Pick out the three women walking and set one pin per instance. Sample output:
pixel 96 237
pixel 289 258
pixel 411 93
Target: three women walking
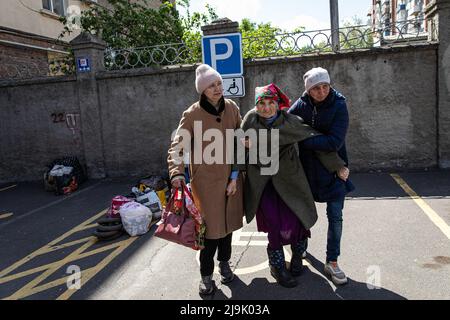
pixel 281 201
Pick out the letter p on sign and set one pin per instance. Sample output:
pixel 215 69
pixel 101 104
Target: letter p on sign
pixel 223 56
pixel 224 53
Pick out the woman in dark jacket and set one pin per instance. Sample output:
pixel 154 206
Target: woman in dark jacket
pixel 325 109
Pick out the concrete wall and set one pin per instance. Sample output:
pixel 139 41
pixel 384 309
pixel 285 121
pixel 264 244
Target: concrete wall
pixel 139 114
pixel 444 82
pixel 32 129
pixel 391 98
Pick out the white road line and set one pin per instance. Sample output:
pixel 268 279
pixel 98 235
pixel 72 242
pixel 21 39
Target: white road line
pixel 3 189
pixel 22 216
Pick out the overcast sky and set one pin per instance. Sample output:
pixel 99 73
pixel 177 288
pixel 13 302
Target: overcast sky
pixel 287 14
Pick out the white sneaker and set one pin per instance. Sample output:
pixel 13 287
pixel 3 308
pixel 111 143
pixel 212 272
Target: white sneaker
pixel 338 276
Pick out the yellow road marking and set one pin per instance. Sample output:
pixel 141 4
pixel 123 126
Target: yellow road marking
pixel 93 271
pixel 27 290
pixel 432 215
pixel 6 215
pixel 52 284
pixel 68 244
pixel 43 267
pixel 3 189
pixel 44 249
pixel 88 221
pixel 89 226
pixel 101 249
pixel 23 274
pixel 35 285
pixel 75 258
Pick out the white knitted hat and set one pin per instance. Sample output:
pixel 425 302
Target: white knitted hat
pixel 314 77
pixel 204 77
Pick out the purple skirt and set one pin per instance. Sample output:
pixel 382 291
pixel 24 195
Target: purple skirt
pixel 278 220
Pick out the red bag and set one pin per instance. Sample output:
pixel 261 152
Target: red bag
pixel 181 221
pixel 116 203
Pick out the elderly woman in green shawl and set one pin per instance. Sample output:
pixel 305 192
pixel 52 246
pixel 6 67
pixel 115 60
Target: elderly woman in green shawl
pixel 282 201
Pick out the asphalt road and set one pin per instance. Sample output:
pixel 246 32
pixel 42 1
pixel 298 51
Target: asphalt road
pixel 396 245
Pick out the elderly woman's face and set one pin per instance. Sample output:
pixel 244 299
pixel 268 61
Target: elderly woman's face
pixel 214 92
pixel 267 108
pixel 320 92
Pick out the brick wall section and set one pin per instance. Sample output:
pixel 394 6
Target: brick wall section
pixel 22 62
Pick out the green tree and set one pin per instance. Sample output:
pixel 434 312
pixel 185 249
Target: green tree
pixel 259 40
pixel 265 40
pixel 128 24
pixel 354 35
pixel 192 34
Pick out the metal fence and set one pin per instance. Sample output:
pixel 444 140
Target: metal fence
pixel 276 45
pixel 320 41
pixel 160 55
pixel 283 44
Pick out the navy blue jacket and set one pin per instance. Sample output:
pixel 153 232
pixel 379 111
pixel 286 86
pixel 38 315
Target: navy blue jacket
pixel 330 118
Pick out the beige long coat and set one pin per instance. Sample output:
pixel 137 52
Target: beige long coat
pixel 222 214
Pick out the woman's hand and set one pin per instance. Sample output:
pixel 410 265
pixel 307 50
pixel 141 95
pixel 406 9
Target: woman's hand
pixel 231 188
pixel 343 173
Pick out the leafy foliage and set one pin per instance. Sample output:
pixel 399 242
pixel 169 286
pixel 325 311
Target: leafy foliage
pixel 127 24
pixel 191 24
pixel 355 36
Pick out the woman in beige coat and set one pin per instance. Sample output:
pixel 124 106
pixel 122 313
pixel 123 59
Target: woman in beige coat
pixel 216 188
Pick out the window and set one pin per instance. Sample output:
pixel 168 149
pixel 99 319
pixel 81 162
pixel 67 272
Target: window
pixel 56 6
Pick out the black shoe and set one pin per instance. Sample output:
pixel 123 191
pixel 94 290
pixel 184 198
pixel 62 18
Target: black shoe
pixel 278 269
pixel 226 275
pixel 296 266
pixel 206 286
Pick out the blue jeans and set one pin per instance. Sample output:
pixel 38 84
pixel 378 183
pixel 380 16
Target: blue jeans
pixel 334 214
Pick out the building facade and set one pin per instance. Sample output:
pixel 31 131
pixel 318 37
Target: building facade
pixel 30 30
pixel 398 16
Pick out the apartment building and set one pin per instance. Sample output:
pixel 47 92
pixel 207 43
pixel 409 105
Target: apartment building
pixel 392 15
pixel 30 29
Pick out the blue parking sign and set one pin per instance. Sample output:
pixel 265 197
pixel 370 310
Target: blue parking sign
pixel 223 52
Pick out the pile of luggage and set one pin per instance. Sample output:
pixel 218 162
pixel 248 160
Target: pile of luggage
pixel 135 212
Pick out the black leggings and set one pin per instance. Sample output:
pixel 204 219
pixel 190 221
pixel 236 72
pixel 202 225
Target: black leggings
pixel 223 247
